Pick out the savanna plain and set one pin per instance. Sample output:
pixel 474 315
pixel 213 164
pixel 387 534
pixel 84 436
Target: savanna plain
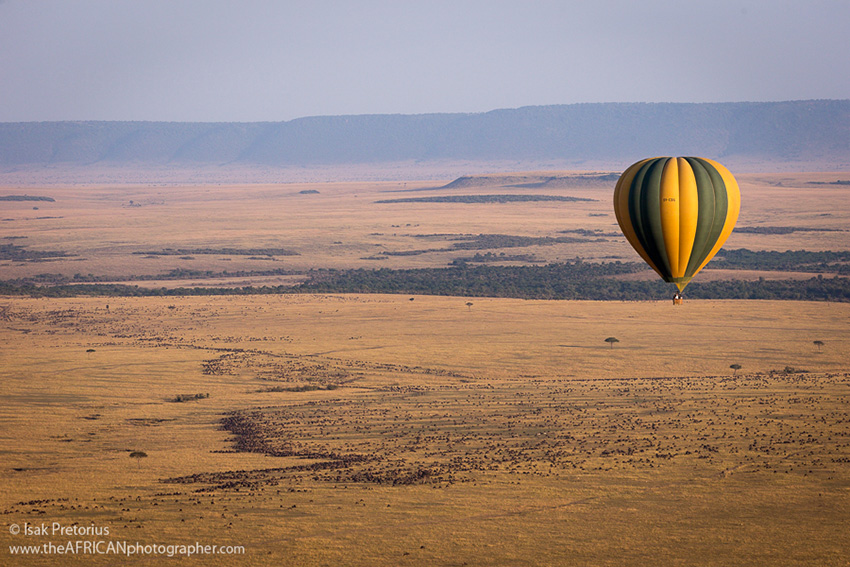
pixel 398 429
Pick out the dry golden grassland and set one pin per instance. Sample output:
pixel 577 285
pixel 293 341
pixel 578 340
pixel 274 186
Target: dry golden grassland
pixel 374 430
pixel 340 225
pixel 506 432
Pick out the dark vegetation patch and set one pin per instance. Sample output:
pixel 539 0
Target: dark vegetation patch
pixel 553 281
pixel 550 281
pixel 188 397
pixel 26 198
pixel 446 236
pixel 492 258
pixel 309 192
pixel 483 199
pixel 413 252
pixel 21 254
pixel 221 251
pixel 837 182
pixel 174 274
pixel 490 242
pixel 780 229
pixel 597 233
pixel 788 261
pixel 568 280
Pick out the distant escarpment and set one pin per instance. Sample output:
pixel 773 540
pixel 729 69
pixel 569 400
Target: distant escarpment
pixel 792 131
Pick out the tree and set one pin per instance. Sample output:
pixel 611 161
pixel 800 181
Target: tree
pixel 612 340
pixel 138 455
pixel 818 344
pixel 735 368
pixel 469 305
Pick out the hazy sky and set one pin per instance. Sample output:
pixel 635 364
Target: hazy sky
pixel 259 60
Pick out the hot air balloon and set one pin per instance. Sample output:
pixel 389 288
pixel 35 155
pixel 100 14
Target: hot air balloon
pixel 677 213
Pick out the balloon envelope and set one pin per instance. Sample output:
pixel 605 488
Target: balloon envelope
pixel 677 213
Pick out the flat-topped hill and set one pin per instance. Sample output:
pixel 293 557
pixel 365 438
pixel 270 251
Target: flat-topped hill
pixel 817 130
